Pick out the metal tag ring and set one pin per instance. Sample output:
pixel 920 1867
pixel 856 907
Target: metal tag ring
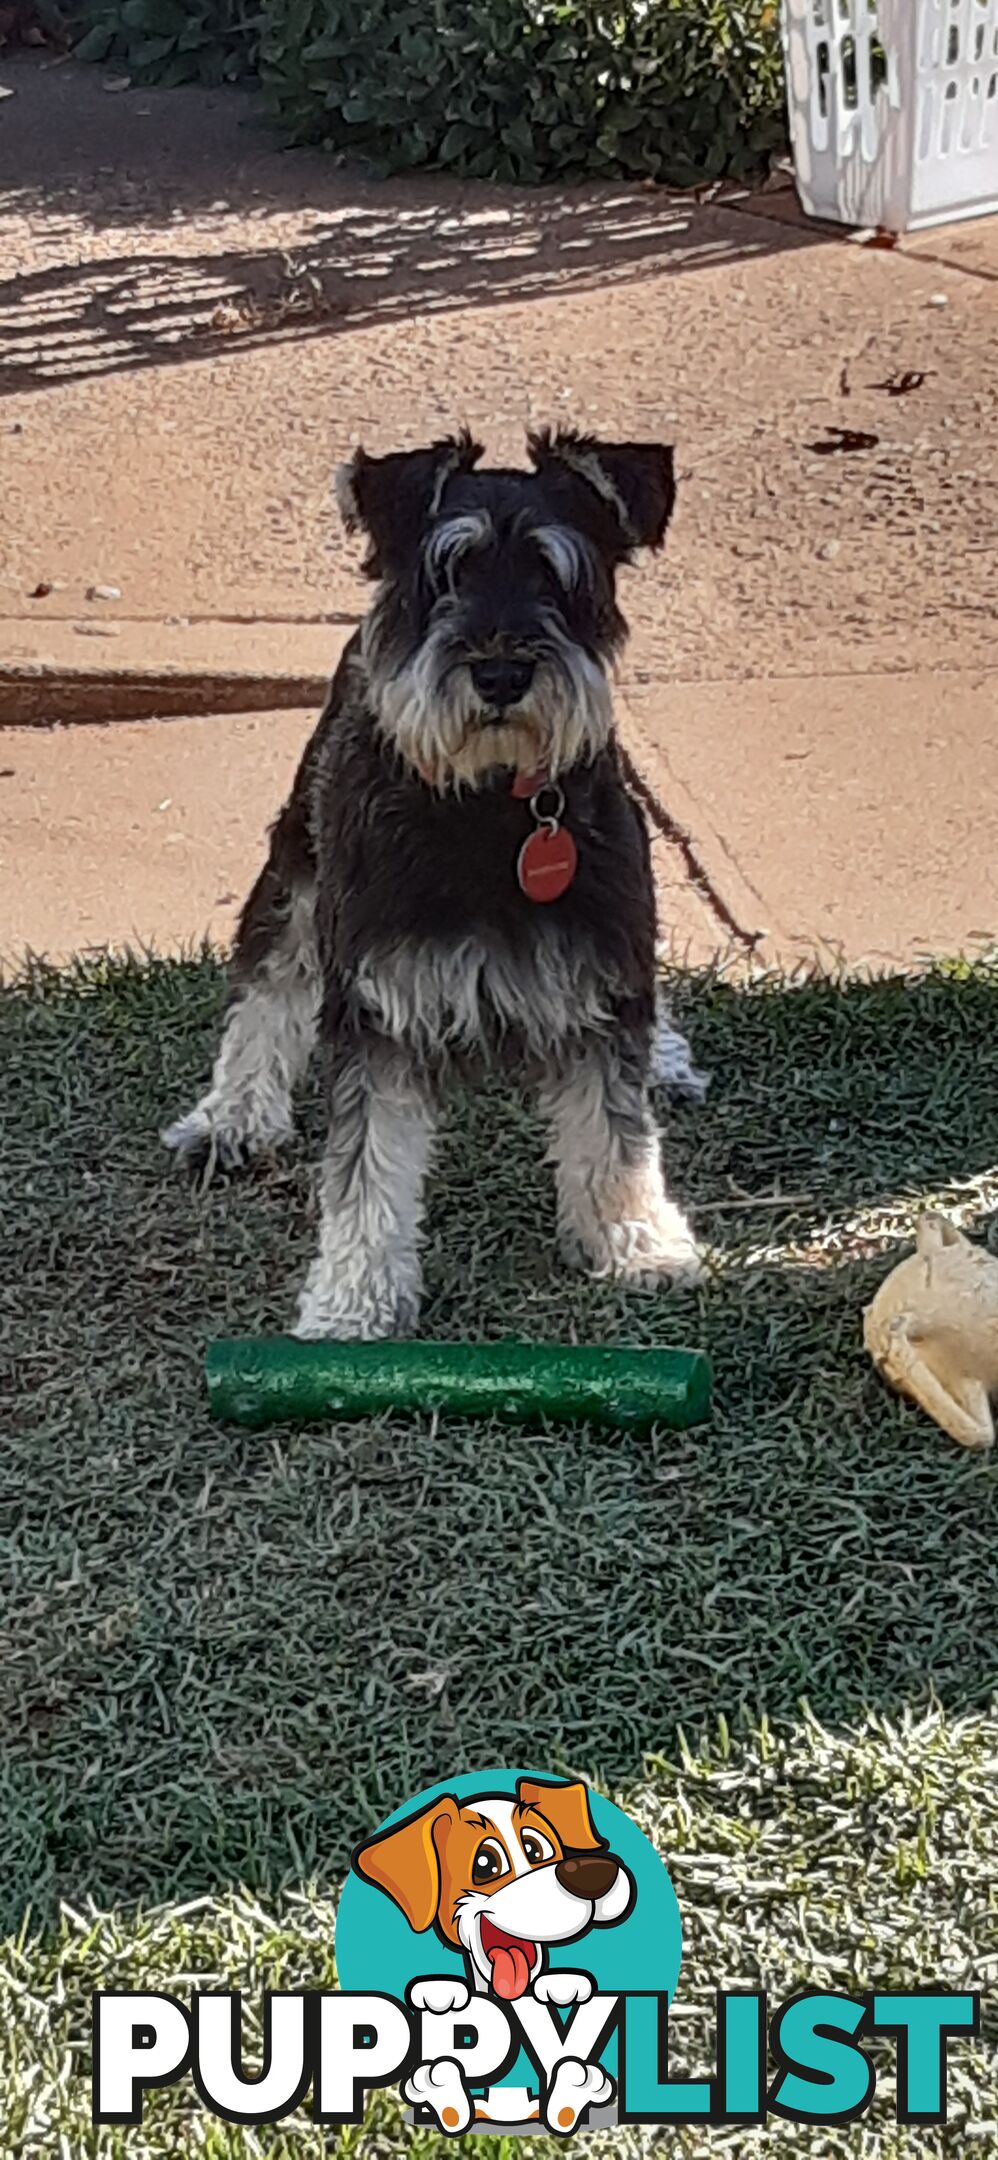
pixel 551 818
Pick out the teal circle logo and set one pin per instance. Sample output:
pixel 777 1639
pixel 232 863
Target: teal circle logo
pixel 515 1883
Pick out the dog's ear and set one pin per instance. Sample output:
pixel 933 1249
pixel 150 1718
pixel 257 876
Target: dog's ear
pixel 566 1808
pixel 393 498
pixel 636 481
pixel 404 1862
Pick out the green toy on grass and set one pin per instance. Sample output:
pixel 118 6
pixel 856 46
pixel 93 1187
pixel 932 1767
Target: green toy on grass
pixel 280 1380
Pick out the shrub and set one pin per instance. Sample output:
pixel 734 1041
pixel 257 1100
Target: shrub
pixel 171 41
pixel 532 89
pixel 678 90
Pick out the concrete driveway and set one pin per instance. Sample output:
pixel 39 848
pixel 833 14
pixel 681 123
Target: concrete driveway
pixel 195 325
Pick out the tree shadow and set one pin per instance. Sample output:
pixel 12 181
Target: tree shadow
pixel 203 239
pixel 226 1656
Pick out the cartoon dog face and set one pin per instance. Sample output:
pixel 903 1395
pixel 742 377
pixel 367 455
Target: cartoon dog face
pixel 501 1878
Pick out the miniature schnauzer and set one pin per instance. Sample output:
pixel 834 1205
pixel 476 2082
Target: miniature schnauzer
pixel 461 875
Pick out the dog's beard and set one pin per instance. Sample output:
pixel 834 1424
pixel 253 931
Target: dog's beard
pixel 433 714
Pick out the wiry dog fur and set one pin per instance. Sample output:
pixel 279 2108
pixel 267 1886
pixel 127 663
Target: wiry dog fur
pixel 389 917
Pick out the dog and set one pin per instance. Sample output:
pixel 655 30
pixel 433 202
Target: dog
pixel 461 876
pixel 502 1879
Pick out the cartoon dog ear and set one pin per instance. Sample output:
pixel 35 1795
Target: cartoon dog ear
pixel 393 498
pixel 404 1862
pixel 636 481
pixel 566 1808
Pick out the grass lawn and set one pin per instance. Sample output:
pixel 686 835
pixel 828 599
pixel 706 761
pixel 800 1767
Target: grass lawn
pixel 223 1657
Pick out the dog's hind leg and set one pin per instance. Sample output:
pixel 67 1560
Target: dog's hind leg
pixel 615 1217
pixel 366 1280
pixel 671 1065
pixel 271 1023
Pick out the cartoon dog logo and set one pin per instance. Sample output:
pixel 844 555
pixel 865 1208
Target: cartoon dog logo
pixel 502 1879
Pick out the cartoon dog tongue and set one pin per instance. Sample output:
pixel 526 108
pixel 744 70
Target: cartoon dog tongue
pixel 510 1969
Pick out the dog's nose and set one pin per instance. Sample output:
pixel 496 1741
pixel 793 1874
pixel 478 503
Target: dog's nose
pixel 502 682
pixel 588 1875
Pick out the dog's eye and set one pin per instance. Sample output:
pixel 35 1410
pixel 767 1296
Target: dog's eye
pixel 536 1848
pixel 489 1861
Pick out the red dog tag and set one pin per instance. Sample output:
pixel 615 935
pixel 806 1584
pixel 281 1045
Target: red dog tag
pixel 547 864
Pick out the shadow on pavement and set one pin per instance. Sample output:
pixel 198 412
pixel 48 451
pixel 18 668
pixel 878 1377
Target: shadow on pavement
pixel 223 241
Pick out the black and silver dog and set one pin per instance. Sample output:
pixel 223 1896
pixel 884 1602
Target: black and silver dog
pixel 461 874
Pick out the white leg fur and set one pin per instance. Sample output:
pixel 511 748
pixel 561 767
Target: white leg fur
pixel 440 2087
pixel 366 1281
pixel 266 1044
pixel 575 2087
pixel 563 1988
pixel 614 1214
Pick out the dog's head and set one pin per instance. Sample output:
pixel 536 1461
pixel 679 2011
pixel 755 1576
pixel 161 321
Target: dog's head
pixel 496 621
pixel 501 1878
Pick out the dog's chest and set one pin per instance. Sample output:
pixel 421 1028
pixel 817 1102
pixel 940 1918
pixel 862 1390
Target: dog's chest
pixel 427 923
pixel 470 995
pixel 404 865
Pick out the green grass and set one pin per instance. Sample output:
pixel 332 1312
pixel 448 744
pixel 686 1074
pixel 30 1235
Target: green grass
pixel 223 1657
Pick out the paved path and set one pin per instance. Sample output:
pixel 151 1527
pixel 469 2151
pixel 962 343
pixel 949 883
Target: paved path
pixel 195 326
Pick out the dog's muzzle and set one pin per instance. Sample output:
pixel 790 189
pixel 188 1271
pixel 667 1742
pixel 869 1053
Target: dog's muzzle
pixel 502 683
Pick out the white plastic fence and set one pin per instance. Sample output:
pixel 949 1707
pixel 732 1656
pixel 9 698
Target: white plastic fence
pixel 893 109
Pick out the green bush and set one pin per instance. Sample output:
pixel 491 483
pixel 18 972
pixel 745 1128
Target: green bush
pixel 531 89
pixel 171 41
pixel 678 90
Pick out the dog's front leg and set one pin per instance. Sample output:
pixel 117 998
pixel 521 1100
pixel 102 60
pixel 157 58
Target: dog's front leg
pixel 439 2084
pixel 366 1281
pixel 615 1216
pixel 575 2087
pixel 273 1010
pixel 440 2087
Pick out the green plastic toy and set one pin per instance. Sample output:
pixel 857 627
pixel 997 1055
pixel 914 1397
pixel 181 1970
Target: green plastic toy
pixel 280 1380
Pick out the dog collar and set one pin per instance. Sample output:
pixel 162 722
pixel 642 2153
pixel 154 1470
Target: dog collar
pixel 548 860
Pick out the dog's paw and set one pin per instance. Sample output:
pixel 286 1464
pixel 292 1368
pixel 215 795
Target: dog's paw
pixel 440 2087
pixel 212 1138
pixel 575 2087
pixel 340 1305
pixel 664 1250
pixel 199 1145
pixel 439 1996
pixel 642 1253
pixel 563 1988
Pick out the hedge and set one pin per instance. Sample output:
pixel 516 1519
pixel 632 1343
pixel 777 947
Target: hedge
pixel 524 90
pixel 171 41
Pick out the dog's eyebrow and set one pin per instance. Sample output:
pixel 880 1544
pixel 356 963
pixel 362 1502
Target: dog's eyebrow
pixel 455 537
pixel 479 1822
pixel 528 1807
pixel 567 553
